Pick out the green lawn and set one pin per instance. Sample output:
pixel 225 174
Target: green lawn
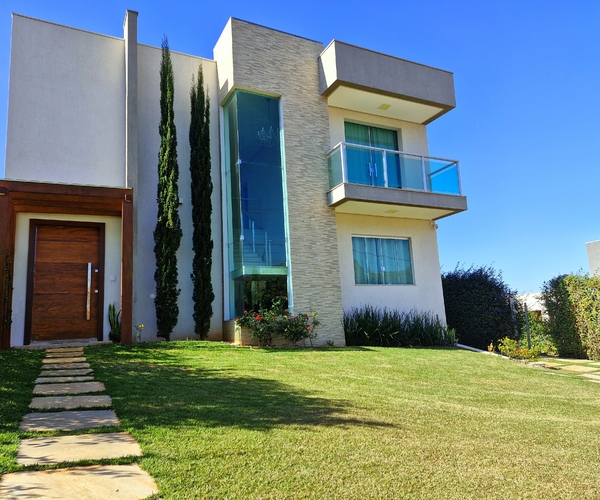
pixel 215 421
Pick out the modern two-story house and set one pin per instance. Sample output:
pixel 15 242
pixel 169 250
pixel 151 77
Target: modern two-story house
pixel 323 188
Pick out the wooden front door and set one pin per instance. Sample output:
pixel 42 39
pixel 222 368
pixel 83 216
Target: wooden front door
pixel 65 281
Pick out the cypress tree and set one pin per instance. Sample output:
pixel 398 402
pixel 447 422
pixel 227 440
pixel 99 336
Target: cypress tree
pixel 167 235
pixel 201 185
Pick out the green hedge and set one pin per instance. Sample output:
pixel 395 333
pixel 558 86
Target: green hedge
pixel 478 306
pixel 573 306
pixel 373 326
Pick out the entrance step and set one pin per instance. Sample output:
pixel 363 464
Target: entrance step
pixel 123 482
pixel 68 420
pixel 80 359
pixel 72 388
pixel 65 366
pixel 67 373
pixel 58 380
pixel 69 402
pixel 55 450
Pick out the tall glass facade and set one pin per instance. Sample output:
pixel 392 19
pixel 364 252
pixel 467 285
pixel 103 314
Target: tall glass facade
pixel 256 228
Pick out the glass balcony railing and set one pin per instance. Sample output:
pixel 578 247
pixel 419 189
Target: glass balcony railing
pixel 370 166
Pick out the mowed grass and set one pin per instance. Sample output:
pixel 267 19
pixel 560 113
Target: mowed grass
pixel 215 421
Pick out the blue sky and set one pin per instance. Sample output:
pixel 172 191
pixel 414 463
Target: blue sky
pixel 526 127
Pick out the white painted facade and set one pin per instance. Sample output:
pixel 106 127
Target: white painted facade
pixel 67 124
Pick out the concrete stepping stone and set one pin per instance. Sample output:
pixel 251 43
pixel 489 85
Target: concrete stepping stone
pixel 64 349
pixel 80 359
pixel 69 388
pixel 545 364
pixel 69 402
pixel 119 482
pixel 67 373
pixel 593 376
pixel 59 355
pixel 65 366
pixel 68 420
pixel 577 368
pixel 573 360
pixel 55 450
pixel 58 380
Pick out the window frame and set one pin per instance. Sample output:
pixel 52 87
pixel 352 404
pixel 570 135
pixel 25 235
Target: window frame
pixel 381 257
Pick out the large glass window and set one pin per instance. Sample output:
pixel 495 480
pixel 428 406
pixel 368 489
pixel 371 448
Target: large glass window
pixel 365 166
pixel 256 229
pixel 382 261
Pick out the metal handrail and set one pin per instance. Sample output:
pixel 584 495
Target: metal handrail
pixel 342 146
pixel 394 151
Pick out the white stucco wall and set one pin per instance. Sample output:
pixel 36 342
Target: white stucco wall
pixel 593 252
pixel 66 114
pixel 412 136
pixel 184 67
pixel 425 295
pixel 112 267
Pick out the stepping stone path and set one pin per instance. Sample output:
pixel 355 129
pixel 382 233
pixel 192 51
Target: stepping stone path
pixel 65 377
pixel 583 367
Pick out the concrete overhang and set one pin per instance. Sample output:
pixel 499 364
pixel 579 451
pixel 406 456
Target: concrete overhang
pixel 400 203
pixel 370 82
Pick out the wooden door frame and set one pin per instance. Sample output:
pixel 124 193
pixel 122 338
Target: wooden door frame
pixel 33 225
pixel 48 198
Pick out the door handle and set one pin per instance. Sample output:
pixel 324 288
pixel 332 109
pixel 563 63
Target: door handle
pixel 89 292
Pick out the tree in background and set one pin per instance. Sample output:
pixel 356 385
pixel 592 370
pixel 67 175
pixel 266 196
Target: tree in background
pixel 167 235
pixel 201 185
pixel 478 306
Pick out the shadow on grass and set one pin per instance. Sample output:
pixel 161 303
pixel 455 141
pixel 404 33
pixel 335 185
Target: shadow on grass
pixel 147 392
pixel 18 371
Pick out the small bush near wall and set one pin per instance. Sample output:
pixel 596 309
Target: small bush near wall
pixel 573 306
pixel 372 326
pixel 539 336
pixel 478 306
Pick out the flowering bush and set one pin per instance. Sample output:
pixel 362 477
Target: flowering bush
pixel 510 348
pixel 266 324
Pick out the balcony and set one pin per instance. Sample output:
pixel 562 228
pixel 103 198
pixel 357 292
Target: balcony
pixel 370 82
pixel 374 181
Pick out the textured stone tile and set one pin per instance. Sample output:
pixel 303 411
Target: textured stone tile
pixel 61 350
pixel 58 380
pixel 577 368
pixel 122 482
pixel 54 450
pixel 67 373
pixel 69 402
pixel 72 388
pixel 68 420
pixel 70 354
pixel 65 366
pixel 80 359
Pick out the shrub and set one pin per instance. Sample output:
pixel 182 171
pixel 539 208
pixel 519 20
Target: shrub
pixel 510 348
pixel 539 335
pixel 114 321
pixel 478 306
pixel 372 326
pixel 573 306
pixel 267 324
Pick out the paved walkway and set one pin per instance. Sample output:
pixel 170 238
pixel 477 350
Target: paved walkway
pixel 66 383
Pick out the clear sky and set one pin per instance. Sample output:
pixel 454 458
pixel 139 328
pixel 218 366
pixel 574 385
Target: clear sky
pixel 526 128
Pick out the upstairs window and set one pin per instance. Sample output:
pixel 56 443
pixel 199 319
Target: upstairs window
pixel 365 165
pixel 382 261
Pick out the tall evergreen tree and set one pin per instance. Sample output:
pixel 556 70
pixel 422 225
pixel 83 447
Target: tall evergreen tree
pixel 202 188
pixel 167 235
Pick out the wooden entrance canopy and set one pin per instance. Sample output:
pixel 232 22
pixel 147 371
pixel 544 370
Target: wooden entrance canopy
pixel 40 197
